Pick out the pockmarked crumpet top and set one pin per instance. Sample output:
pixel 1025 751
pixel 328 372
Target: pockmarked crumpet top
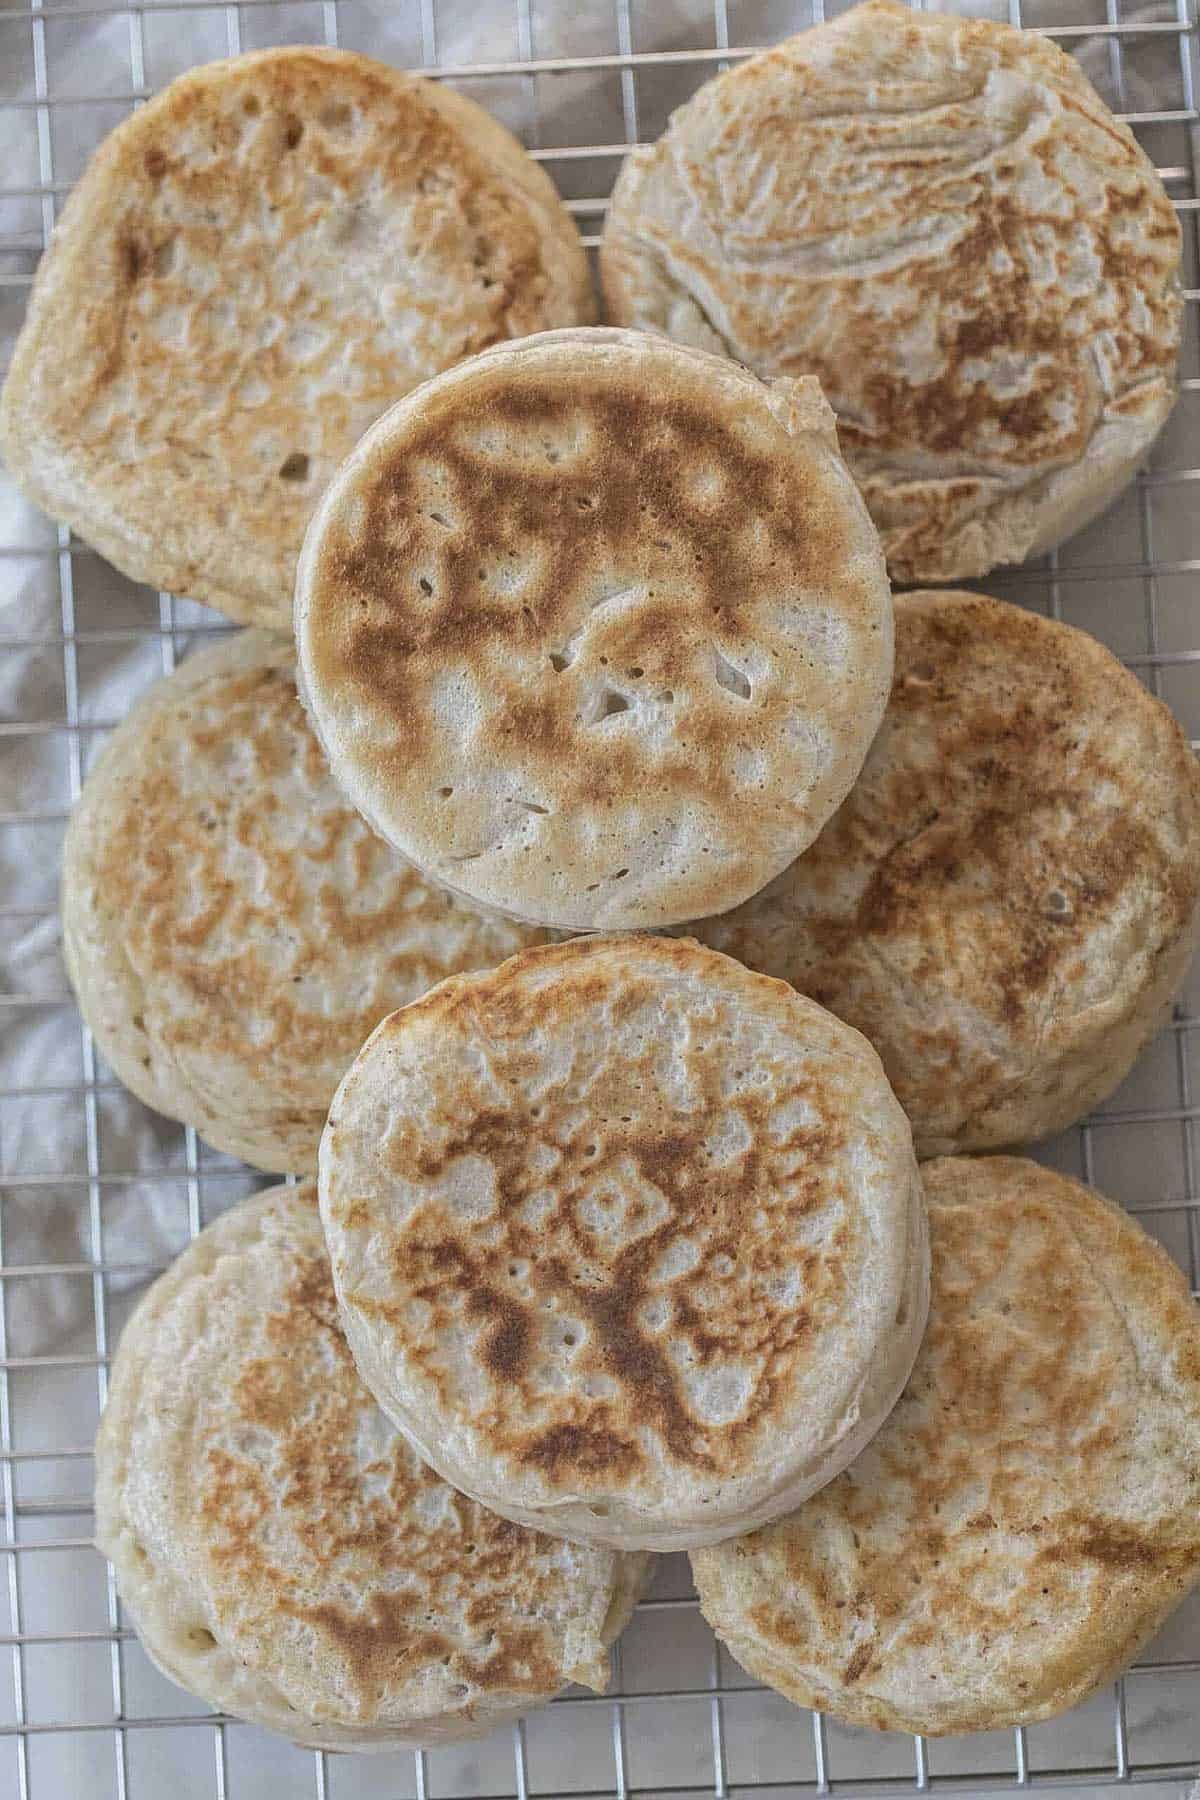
pixel 628 1240
pixel 254 265
pixel 1029 1514
pixel 1009 897
pixel 279 1547
pixel 596 630
pixel 940 219
pixel 232 928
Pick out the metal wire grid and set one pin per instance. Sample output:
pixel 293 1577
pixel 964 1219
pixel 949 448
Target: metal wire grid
pixel 684 1720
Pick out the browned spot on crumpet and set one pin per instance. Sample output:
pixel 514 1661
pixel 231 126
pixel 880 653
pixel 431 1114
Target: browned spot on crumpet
pixel 134 257
pixel 605 1291
pixel 506 1348
pixel 565 1449
pixel 1120 1548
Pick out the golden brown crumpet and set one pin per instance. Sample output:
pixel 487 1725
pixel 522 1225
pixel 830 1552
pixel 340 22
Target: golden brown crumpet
pixel 627 1240
pixel 941 220
pixel 255 264
pixel 1030 1512
pixel 596 630
pixel 231 927
pixel 1007 902
pixel 282 1551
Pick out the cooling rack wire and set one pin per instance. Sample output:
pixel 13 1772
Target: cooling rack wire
pixel 82 1711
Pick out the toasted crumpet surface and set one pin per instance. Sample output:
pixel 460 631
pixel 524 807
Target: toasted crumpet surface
pixel 254 265
pixel 232 928
pixel 939 218
pixel 596 630
pixel 628 1240
pixel 1030 1512
pixel 281 1550
pixel 1006 903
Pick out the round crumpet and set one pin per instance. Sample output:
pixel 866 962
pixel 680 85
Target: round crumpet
pixel 1009 898
pixel 231 927
pixel 254 265
pixel 1029 1514
pixel 596 630
pixel 940 219
pixel 627 1240
pixel 282 1551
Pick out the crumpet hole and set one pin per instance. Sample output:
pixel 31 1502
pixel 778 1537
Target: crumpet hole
pixel 293 131
pixel 1058 905
pixel 731 679
pixel 611 703
pixel 134 258
pixel 294 467
pixel 425 585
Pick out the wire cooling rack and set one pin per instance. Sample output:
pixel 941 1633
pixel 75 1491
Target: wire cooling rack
pixel 81 1166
